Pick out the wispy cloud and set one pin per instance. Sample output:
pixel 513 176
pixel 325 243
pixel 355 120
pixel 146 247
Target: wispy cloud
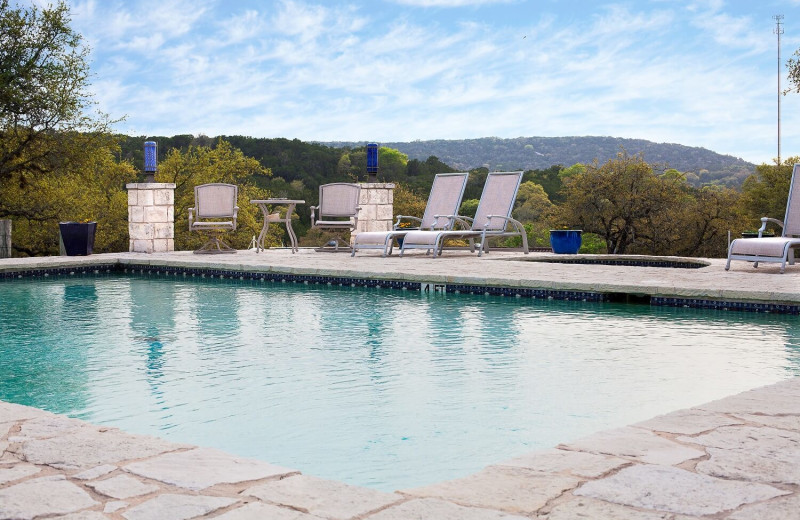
pixel 325 71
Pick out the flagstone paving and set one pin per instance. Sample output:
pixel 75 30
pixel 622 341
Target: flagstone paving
pixel 734 459
pixel 719 465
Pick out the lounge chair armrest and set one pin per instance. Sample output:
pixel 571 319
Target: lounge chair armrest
pixel 465 222
pixel 514 222
pixel 313 209
pixel 764 221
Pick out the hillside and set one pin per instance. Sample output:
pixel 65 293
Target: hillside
pixel 529 153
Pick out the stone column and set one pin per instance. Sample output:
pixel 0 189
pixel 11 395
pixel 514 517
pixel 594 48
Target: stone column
pixel 5 238
pixel 151 217
pixel 377 206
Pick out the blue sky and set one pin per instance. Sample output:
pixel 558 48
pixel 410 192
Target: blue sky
pixel 699 73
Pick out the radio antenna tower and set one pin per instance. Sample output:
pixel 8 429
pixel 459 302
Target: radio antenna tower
pixel 779 30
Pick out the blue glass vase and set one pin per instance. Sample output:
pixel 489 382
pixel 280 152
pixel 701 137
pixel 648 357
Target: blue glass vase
pixel 565 241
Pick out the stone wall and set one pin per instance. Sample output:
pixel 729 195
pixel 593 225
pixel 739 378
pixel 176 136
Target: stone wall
pixel 377 207
pixel 5 238
pixel 151 217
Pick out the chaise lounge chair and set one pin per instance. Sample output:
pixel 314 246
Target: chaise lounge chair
pixel 492 219
pixel 773 249
pixel 215 201
pixel 443 201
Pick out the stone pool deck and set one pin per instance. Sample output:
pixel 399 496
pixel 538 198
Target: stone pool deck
pixel 736 458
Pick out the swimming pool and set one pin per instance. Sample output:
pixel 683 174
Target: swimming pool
pixel 376 387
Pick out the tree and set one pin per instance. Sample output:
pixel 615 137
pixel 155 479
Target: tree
pixel 201 165
pixel 623 201
pixel 89 187
pixel 44 77
pixel 793 68
pixel 764 194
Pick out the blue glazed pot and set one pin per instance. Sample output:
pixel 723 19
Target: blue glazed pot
pixel 565 241
pixel 77 237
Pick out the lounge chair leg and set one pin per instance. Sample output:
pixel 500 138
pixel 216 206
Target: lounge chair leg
pixel 728 264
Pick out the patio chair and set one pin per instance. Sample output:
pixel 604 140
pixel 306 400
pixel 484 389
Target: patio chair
pixel 444 200
pixel 337 210
pixel 215 201
pixel 773 249
pixel 492 219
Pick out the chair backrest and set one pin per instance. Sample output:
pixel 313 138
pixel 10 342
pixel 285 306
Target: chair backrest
pixel 339 199
pixel 215 200
pixel 445 197
pixel 498 197
pixel 791 222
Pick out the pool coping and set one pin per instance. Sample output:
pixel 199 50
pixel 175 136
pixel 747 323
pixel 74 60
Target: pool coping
pixel 737 458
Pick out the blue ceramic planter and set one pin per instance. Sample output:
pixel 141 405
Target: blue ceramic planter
pixel 77 237
pixel 565 241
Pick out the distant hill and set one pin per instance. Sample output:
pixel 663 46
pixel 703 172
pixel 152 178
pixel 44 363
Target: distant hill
pixel 531 153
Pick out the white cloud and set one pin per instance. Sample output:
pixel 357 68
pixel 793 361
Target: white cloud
pixel 345 72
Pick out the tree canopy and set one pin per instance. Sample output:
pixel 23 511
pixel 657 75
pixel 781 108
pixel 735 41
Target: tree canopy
pixel 44 98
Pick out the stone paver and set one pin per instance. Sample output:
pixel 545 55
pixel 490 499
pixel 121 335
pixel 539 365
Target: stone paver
pixel 42 496
pixel 10 412
pixel 83 515
pixel 750 466
pixel 204 467
pixel 688 422
pixel 262 511
pixel 583 508
pixel 783 508
pixel 47 426
pixel 17 471
pixel 785 422
pixel 515 490
pixel 96 472
pixel 751 453
pixel 636 443
pixel 326 498
pixel 577 463
pixel 122 486
pixel 89 446
pixel 5 428
pixel 176 507
pixel 431 508
pixel 115 505
pixel 676 490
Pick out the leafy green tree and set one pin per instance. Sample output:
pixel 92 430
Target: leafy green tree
pixel 764 194
pixel 44 97
pixel 89 187
pixel 201 165
pixel 623 201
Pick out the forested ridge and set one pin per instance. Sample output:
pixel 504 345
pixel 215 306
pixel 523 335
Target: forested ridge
pixel 531 153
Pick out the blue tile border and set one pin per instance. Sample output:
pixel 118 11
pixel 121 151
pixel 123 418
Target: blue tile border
pixel 721 305
pixel 544 294
pixel 675 264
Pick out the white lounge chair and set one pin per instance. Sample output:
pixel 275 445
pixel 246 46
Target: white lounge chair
pixel 443 201
pixel 337 210
pixel 492 219
pixel 773 249
pixel 216 201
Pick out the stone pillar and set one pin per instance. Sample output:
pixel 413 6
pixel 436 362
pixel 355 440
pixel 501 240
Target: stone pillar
pixel 377 206
pixel 151 217
pixel 5 239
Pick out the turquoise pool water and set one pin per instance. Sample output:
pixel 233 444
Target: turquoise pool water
pixel 376 387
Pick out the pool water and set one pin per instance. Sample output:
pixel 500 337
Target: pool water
pixel 376 387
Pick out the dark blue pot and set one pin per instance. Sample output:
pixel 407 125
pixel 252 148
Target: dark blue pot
pixel 77 237
pixel 565 241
